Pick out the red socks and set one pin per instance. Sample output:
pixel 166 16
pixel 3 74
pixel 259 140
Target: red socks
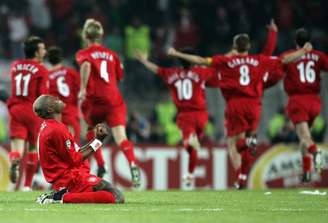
pixel 89 197
pixel 307 161
pixel 241 145
pixel 98 154
pixel 31 167
pixel 192 159
pixel 127 148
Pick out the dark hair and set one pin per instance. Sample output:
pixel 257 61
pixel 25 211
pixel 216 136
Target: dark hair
pixel 301 37
pixel 55 55
pixel 31 46
pixel 185 64
pixel 242 43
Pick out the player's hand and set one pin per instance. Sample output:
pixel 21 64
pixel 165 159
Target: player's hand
pixel 307 47
pixel 171 51
pixel 140 56
pixel 272 26
pixel 101 131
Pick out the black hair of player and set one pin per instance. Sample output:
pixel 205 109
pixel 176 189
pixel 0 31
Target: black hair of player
pixel 302 36
pixel 242 43
pixel 55 55
pixel 185 64
pixel 31 46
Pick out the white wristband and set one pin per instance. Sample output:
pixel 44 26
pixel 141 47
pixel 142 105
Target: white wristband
pixel 96 144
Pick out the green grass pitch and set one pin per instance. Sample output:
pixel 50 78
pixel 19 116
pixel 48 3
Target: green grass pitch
pixel 174 206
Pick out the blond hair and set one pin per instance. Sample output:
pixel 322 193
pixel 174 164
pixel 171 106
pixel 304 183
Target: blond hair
pixel 92 30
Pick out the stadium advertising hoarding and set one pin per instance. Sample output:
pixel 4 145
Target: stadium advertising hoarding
pixel 163 167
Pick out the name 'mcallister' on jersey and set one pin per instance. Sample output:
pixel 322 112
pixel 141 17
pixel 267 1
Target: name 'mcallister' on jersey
pixel 106 71
pixel 243 76
pixel 29 79
pixel 187 86
pixel 64 83
pixel 303 75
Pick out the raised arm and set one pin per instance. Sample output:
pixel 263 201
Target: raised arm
pixel 142 58
pixel 85 70
pixel 291 57
pixel 271 42
pixel 94 145
pixel 191 58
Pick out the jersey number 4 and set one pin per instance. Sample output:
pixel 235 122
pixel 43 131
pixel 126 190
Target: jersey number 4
pixel 103 71
pixel 307 73
pixel 184 89
pixel 22 90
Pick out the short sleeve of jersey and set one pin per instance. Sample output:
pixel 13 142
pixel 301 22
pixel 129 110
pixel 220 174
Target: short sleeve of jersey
pixel 217 60
pixel 324 61
pixel 118 68
pixel 81 56
pixel 43 81
pixel 164 73
pixel 273 72
pixel 206 73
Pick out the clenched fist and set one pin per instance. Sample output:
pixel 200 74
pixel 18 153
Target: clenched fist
pixel 101 131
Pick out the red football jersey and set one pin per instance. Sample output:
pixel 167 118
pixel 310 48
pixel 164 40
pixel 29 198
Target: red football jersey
pixel 106 71
pixel 64 83
pixel 58 152
pixel 243 76
pixel 303 75
pixel 187 86
pixel 29 79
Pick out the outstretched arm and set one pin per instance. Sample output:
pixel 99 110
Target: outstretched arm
pixel 142 58
pixel 191 58
pixel 288 58
pixel 85 70
pixel 271 42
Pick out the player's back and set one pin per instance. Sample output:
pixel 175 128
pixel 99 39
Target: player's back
pixel 29 79
pixel 106 71
pixel 64 83
pixel 187 86
pixel 241 76
pixel 303 75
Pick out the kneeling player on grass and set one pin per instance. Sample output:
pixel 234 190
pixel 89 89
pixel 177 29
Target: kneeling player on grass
pixel 187 86
pixel 64 164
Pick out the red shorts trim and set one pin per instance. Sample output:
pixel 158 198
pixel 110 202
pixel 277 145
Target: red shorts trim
pixel 242 115
pixel 303 108
pixel 192 122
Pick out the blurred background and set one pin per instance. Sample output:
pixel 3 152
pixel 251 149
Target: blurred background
pixel 153 25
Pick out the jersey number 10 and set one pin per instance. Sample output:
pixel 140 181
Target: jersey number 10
pixel 184 89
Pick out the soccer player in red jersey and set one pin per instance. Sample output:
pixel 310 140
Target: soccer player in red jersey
pixel 302 85
pixel 64 164
pixel 29 79
pixel 101 69
pixel 64 83
pixel 241 80
pixel 187 87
